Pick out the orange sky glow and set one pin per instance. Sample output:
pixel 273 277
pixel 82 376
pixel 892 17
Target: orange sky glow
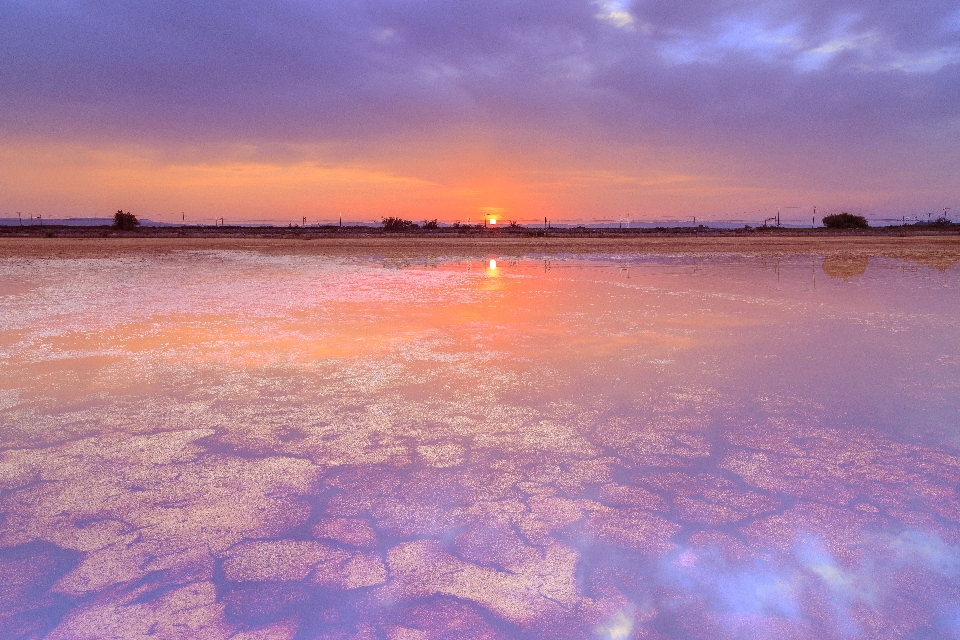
pixel 449 184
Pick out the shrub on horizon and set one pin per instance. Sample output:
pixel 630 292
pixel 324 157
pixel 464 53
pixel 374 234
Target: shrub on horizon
pixel 125 221
pixel 398 224
pixel 845 221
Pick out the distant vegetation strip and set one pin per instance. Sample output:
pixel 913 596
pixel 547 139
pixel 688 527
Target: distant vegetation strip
pixel 126 224
pixel 127 220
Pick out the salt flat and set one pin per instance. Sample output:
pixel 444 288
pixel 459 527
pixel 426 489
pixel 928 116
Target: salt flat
pixel 239 438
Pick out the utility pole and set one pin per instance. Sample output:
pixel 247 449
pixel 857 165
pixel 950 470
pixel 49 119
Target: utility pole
pixel 813 220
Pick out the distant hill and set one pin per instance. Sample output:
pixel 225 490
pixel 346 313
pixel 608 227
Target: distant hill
pixel 73 222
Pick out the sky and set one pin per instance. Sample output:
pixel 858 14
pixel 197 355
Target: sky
pixel 453 109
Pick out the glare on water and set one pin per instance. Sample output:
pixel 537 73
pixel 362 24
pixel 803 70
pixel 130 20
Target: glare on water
pixel 698 446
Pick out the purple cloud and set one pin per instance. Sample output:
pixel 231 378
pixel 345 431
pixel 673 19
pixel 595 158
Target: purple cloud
pixel 849 79
pixel 292 69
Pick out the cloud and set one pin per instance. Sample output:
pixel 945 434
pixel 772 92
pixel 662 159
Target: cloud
pixel 615 12
pixel 325 70
pixel 759 84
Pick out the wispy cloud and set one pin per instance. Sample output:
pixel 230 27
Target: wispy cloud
pixel 616 13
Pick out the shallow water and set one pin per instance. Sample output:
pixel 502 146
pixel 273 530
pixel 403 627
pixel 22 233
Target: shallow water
pixel 233 445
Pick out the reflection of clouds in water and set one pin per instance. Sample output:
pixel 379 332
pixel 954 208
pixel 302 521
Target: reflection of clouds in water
pixel 395 489
pixel 619 627
pixel 924 549
pixel 503 528
pixel 763 587
pixel 798 585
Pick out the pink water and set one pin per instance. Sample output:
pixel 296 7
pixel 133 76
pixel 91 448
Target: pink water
pixel 231 445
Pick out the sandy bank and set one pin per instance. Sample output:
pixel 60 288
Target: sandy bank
pixel 939 250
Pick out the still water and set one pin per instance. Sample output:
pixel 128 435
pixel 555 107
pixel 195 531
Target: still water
pixel 222 444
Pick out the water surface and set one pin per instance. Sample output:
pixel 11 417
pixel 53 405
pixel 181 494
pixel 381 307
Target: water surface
pixel 227 444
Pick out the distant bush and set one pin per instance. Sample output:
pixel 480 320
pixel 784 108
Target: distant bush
pixel 941 222
pixel 398 224
pixel 431 224
pixel 845 221
pixel 125 221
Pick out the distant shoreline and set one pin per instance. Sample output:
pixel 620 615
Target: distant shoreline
pixel 940 248
pixel 475 231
